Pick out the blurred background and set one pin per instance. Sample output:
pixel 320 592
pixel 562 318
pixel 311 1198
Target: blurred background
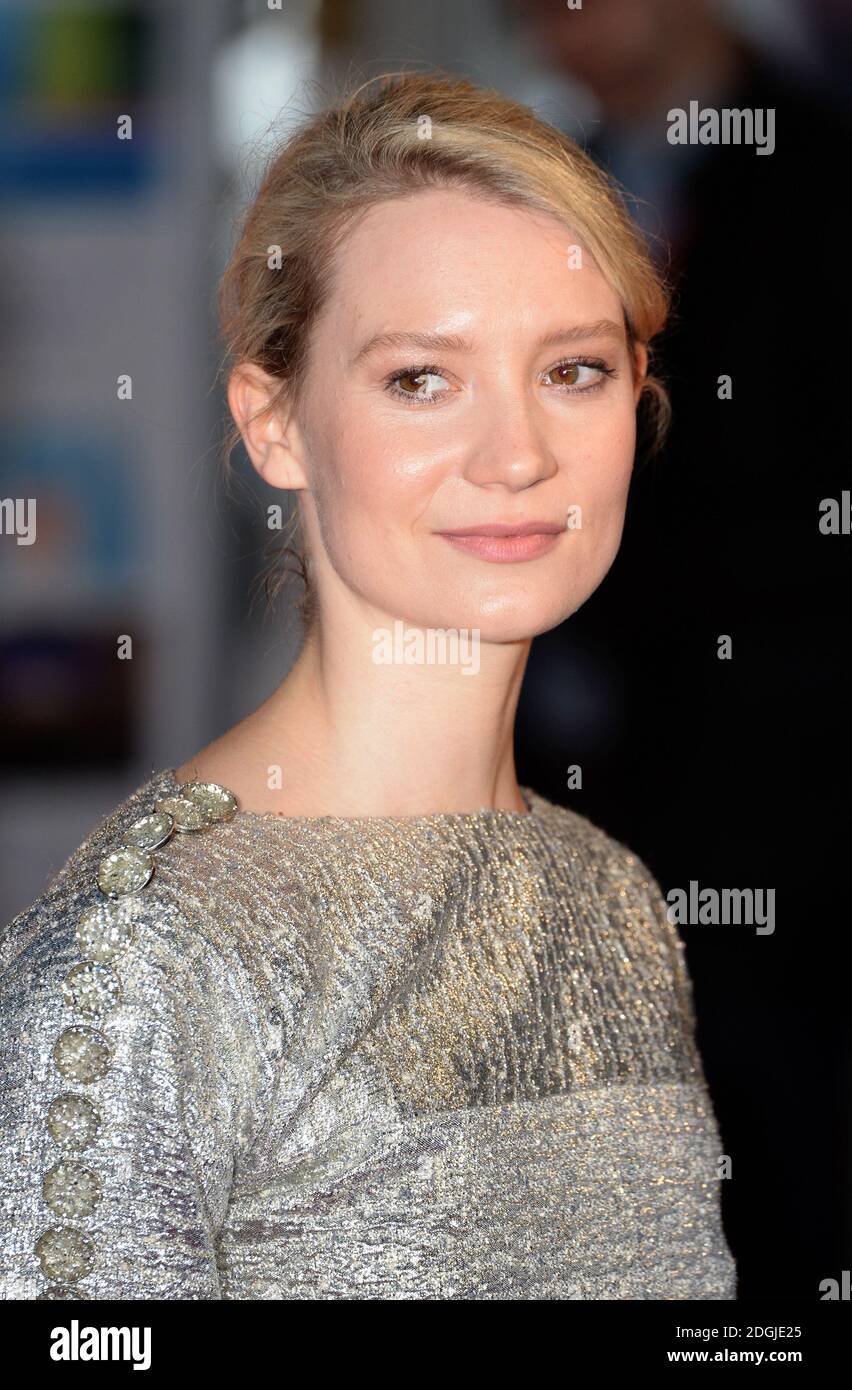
pixel 732 773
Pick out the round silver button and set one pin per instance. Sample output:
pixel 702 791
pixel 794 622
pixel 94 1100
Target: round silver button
pixel 149 832
pixel 73 1121
pixel 106 928
pixel 82 1053
pixel 124 870
pixel 217 803
pixel 186 813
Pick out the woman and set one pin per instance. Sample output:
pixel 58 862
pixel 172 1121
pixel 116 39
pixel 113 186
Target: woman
pixel 382 1023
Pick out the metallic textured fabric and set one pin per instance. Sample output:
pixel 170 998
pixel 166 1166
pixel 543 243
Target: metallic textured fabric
pixel 434 1057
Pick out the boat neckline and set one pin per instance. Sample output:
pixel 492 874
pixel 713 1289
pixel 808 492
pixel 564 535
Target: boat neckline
pixel 485 814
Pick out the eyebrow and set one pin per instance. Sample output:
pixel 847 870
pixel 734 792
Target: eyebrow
pixel 452 342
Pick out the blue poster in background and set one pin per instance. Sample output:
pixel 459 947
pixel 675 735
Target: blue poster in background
pixel 67 593
pixel 87 515
pixel 66 75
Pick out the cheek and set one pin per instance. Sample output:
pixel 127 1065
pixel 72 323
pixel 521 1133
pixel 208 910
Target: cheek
pixel 365 489
pixel 365 468
pixel 600 469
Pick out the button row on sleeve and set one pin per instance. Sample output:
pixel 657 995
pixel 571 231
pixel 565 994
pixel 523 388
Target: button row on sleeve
pixel 82 1053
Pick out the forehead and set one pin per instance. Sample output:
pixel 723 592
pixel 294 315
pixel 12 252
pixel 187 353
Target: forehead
pixel 445 260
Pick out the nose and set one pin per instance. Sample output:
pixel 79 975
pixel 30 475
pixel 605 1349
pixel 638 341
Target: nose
pixel 510 447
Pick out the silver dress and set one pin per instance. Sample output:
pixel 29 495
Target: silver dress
pixel 248 1056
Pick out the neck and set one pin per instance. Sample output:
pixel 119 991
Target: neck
pixel 355 738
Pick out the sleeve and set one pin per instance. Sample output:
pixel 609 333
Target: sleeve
pixel 674 950
pixel 668 945
pixel 129 1076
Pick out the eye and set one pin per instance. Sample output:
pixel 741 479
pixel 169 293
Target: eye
pixel 579 374
pixel 416 383
pixel 420 385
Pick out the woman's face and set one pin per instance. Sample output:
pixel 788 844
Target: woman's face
pixel 465 375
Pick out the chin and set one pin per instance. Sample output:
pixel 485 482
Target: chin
pixel 523 621
pixel 499 617
pixel 517 603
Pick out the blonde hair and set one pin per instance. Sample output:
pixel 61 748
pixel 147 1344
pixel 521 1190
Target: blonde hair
pixel 390 137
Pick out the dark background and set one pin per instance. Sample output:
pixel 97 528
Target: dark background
pixel 735 773
pixel 732 773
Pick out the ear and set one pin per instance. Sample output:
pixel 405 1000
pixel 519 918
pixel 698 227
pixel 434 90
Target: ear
pixel 640 369
pixel 270 432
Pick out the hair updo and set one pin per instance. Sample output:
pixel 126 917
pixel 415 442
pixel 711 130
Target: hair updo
pixel 392 136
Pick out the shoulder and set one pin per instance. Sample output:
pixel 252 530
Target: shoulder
pixel 123 894
pixel 616 895
pixel 93 986
pixel 603 861
pixel 49 922
pixel 617 889
pixel 613 882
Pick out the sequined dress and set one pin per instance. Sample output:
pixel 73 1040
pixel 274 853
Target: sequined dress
pixel 452 1056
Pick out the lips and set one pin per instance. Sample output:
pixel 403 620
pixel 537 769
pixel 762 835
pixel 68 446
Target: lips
pixel 505 542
